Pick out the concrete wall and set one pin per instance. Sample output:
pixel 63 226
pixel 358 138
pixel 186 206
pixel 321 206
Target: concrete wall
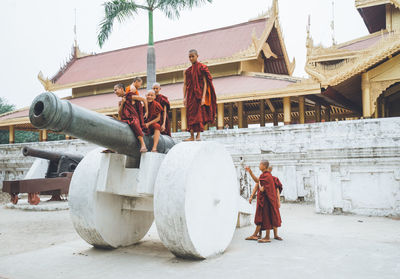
pixel 347 166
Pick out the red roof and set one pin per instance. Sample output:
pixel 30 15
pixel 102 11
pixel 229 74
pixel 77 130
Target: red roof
pixel 213 44
pixel 224 86
pixel 364 44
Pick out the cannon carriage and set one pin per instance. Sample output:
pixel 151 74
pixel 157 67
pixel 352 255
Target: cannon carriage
pixel 190 189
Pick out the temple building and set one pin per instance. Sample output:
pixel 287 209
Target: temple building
pixel 363 75
pixel 252 74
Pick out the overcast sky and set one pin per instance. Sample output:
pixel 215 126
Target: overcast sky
pixel 38 35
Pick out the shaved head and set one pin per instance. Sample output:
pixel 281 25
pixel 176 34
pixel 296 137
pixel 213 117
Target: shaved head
pixel 193 51
pixel 265 163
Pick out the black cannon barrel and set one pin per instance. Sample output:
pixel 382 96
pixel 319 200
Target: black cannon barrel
pixel 49 112
pixel 49 155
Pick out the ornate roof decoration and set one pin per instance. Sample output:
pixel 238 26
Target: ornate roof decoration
pixel 331 66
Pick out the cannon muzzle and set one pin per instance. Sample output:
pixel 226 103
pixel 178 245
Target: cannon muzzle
pixel 49 155
pixel 49 112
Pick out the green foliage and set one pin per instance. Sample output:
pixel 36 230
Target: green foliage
pixel 5 107
pixel 122 9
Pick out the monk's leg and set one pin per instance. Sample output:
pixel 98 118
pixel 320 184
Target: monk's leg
pixel 266 238
pixel 156 138
pixel 276 236
pixel 143 148
pixel 191 136
pixel 254 235
pixel 198 136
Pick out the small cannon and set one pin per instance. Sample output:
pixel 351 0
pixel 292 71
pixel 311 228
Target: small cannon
pixel 190 188
pixel 50 177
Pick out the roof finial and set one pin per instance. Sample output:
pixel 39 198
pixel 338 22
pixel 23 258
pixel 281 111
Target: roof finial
pixel 275 7
pixel 75 36
pixel 309 41
pixel 333 23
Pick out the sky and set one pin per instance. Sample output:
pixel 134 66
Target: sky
pixel 38 35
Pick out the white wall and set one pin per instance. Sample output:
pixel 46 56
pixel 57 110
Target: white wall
pixel 349 166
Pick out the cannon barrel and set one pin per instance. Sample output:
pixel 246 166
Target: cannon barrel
pixel 49 112
pixel 49 155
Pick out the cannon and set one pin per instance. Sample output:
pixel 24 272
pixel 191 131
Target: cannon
pixel 50 177
pixel 189 189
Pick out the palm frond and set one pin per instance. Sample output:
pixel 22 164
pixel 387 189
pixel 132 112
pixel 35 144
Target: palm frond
pixel 115 10
pixel 172 8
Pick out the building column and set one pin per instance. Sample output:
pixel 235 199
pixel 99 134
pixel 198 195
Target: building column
pixel 317 112
pixel 230 107
pixel 44 135
pixel 275 118
pixel 302 112
pixel 173 120
pixel 262 112
pixel 366 95
pixel 240 114
pixel 327 113
pixel 183 120
pixel 220 116
pixel 287 119
pixel 11 131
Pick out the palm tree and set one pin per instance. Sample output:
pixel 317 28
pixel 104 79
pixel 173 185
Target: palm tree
pixel 123 9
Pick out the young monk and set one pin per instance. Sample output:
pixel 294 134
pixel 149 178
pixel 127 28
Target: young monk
pixel 199 96
pixel 278 186
pixel 134 87
pixel 127 112
pixel 153 119
pixel 163 101
pixel 267 214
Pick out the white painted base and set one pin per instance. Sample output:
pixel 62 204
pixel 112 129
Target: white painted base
pixel 100 215
pixel 196 200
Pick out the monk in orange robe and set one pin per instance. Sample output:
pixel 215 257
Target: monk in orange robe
pixel 199 96
pixel 164 102
pixel 267 215
pixel 127 113
pixel 136 84
pixel 153 120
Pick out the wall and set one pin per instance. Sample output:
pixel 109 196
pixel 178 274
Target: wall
pixel 346 166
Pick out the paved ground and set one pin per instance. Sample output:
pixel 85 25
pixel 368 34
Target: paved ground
pixel 45 245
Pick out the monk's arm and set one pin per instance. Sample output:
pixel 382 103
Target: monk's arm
pixel 164 116
pixel 254 192
pixel 184 88
pixel 279 197
pixel 255 178
pixel 155 120
pixel 203 99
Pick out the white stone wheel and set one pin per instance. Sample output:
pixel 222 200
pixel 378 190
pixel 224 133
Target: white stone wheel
pixel 97 216
pixel 196 199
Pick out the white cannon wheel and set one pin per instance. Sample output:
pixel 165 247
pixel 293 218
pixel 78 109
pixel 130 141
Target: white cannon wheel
pixel 195 199
pixel 98 217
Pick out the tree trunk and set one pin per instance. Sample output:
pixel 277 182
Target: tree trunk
pixel 151 55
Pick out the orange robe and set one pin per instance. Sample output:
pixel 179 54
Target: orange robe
pixel 196 114
pixel 155 109
pixel 130 115
pixel 138 107
pixel 267 212
pixel 163 101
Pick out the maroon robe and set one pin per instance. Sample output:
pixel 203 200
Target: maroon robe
pixel 278 184
pixel 130 115
pixel 163 101
pixel 267 212
pixel 196 114
pixel 154 110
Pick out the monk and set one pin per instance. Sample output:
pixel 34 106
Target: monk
pixel 134 87
pixel 279 187
pixel 127 112
pixel 199 96
pixel 267 214
pixel 163 101
pixel 153 119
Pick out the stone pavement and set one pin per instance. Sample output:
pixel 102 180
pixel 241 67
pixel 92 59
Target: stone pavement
pixel 45 245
